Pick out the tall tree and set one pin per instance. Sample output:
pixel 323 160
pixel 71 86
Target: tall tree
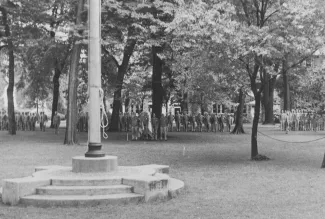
pixel 71 129
pixel 10 90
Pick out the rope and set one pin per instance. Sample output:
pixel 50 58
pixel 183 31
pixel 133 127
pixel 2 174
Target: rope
pixel 290 141
pixel 103 114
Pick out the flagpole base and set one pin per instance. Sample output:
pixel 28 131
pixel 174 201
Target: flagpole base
pixel 94 150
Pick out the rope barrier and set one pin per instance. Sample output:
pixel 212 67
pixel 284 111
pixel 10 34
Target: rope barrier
pixel 297 142
pixel 103 115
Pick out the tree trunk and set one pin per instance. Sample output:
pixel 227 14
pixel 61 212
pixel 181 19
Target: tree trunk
pixel 157 90
pixel 286 99
pixel 239 129
pixel 254 149
pixel 71 128
pixel 56 92
pixel 269 117
pixel 11 73
pixel 122 69
pixel 266 96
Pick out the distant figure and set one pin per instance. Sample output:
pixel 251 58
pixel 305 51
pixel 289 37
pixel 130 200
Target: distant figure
pixel 170 121
pixel 56 122
pixel 163 127
pixel 177 121
pixel 134 123
pixel 155 124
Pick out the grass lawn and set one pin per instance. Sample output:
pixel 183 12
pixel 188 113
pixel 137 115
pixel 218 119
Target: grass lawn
pixel 221 181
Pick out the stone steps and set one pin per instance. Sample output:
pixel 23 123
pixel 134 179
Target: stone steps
pixel 84 190
pixel 86 182
pixel 80 200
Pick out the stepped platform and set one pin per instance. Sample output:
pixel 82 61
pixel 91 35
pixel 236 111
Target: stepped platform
pixel 55 186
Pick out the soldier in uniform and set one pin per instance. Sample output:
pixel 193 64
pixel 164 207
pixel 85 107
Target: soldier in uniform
pixel 29 126
pixel 124 121
pixel 56 122
pixel 221 122
pixel 145 122
pixel 198 124
pixel 127 121
pixel 289 121
pixel 213 122
pixel 41 121
pixel 5 121
pixel 163 127
pixel 170 121
pixel 298 117
pixel 207 121
pixel 293 120
pixel 177 121
pixel 134 119
pixel 45 121
pixel 185 122
pixel 155 124
pixel 228 122
pixel 20 122
pixel 120 122
pixel 33 121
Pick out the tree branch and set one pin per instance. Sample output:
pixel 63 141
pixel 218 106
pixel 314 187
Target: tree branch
pixel 108 53
pixel 268 17
pixel 301 60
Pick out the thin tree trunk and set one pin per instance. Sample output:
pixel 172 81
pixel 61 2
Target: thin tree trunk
pixel 157 90
pixel 11 72
pixel 56 93
pixel 254 148
pixel 122 69
pixel 266 96
pixel 71 128
pixel 239 129
pixel 269 116
pixel 286 99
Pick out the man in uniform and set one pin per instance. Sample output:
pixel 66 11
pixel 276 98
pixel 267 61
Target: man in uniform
pixel 294 118
pixel 155 124
pixel 199 121
pixel 56 122
pixel 134 119
pixel 170 121
pixel 163 127
pixel 120 122
pixel 213 123
pixel 33 121
pixel 5 121
pixel 185 122
pixel 177 121
pixel 207 121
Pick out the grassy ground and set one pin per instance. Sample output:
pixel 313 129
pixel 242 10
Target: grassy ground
pixel 221 181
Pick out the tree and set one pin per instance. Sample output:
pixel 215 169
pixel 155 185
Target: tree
pixel 11 71
pixel 71 129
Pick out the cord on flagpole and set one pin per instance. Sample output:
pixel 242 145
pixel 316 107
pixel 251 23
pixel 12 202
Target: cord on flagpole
pixel 103 115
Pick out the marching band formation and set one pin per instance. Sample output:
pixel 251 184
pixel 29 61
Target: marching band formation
pixel 301 120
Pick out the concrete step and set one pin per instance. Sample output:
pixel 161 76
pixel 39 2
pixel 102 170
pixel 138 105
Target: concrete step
pixel 80 200
pixel 84 190
pixel 86 181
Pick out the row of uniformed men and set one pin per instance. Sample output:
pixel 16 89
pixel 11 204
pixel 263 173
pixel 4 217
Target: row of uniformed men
pixel 24 121
pixel 301 120
pixel 188 122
